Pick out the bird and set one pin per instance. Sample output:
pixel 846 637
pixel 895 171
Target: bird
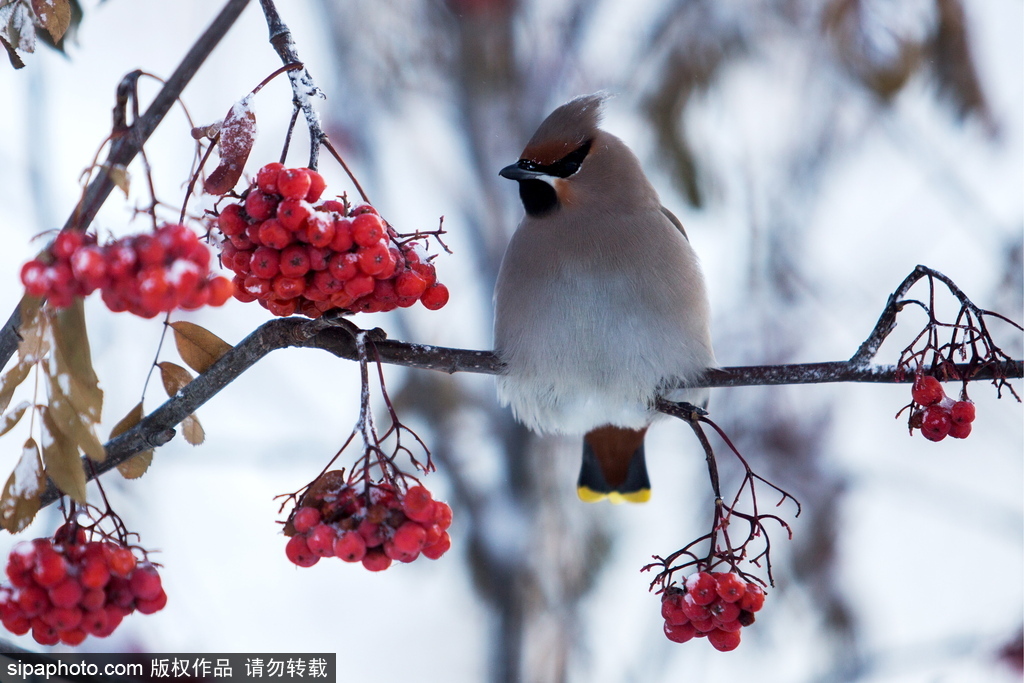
pixel 600 304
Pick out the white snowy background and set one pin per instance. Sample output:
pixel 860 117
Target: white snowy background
pixel 930 543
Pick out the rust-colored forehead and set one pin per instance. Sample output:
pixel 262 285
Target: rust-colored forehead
pixel 547 152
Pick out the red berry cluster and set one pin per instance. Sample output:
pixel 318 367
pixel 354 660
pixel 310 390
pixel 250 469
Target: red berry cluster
pixel 940 416
pixel 713 605
pixel 294 257
pixel 373 527
pixel 144 274
pixel 66 589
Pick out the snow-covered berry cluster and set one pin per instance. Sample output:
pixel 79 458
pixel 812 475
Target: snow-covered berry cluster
pixel 296 256
pixel 67 588
pixel 939 415
pixel 373 525
pixel 145 274
pixel 715 605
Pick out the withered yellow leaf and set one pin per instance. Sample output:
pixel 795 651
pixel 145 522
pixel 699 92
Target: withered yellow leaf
pixel 60 455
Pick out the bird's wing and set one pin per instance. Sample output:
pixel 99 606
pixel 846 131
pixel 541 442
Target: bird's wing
pixel 675 221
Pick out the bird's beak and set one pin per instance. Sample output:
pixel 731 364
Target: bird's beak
pixel 517 172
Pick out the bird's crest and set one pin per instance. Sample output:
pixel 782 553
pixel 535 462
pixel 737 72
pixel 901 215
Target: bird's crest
pixel 566 129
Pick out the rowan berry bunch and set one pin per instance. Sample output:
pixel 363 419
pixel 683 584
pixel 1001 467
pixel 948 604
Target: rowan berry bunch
pixel 294 255
pixel 370 523
pixel 69 587
pixel 714 605
pixel 936 414
pixel 145 274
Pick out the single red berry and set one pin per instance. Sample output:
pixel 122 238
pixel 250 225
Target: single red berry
pixel 367 229
pixel 326 282
pixel 231 221
pixel 731 587
pixel 121 561
pixel 44 634
pixel 281 307
pixel 317 185
pixel 221 290
pixel 363 208
pixel 435 296
pixel 936 423
pixel 672 609
pixel 266 177
pixel 145 582
pixel 272 233
pixel 321 540
pixel 67 593
pixel 33 600
pixel 680 633
pixel 293 183
pixel 343 266
pixel 374 259
pixel 693 611
pixel 411 284
pixel 93 599
pixel 318 257
pixel 375 560
pixel 305 518
pixel 50 567
pixel 151 605
pixel 704 626
pixel 702 588
pixel 350 547
pixel 265 262
pixel 753 598
pixel 288 287
pixel 67 243
pixel 320 230
pixel 359 285
pixel 960 430
pixel 724 641
pixel 33 277
pixel 438 547
pixel 294 261
pixel 63 618
pixel 241 293
pixel 260 206
pixel 927 390
pixel 72 636
pixel 418 505
pixel 722 611
pixel 410 537
pixel 293 214
pixel 94 622
pixel 342 240
pixel 299 553
pixel 962 412
pixel 442 514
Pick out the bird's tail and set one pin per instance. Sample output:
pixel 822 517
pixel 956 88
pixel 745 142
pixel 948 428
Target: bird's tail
pixel 614 466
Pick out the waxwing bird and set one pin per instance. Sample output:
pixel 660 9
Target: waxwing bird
pixel 600 303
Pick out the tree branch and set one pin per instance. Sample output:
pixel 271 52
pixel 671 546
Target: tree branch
pixel 338 336
pixel 124 147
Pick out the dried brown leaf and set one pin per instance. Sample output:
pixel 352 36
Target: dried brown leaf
pixel 19 502
pixel 135 466
pixel 174 377
pixel 197 346
pixel 34 331
pixel 60 455
pixel 54 15
pixel 12 418
pixel 118 175
pixel 77 426
pixel 72 358
pixel 10 380
pixel 12 55
pixel 192 430
pixel 237 135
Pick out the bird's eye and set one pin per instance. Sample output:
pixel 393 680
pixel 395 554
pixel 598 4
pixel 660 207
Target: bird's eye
pixel 528 165
pixel 571 162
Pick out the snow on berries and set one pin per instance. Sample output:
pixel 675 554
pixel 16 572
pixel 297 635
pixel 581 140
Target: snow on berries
pixel 67 588
pixel 715 605
pixel 373 524
pixel 295 255
pixel 145 274
pixel 938 415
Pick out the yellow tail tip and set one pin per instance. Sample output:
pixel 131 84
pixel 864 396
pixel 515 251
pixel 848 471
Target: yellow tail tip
pixel 588 495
